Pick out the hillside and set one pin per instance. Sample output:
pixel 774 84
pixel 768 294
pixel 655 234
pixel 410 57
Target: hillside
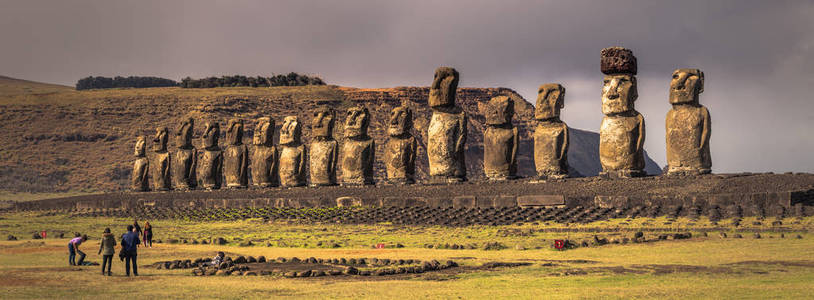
pixel 60 140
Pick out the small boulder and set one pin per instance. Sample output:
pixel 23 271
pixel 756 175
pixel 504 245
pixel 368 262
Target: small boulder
pixel 261 259
pixel 251 259
pixel 11 238
pixel 219 241
pixel 240 260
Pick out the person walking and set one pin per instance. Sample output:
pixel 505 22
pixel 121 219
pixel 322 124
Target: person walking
pixel 107 251
pixel 148 234
pixel 130 243
pixel 138 228
pixel 73 249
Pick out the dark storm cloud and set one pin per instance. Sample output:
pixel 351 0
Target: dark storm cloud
pixel 757 55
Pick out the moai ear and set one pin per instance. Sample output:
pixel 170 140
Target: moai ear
pixel 561 100
pixel 700 82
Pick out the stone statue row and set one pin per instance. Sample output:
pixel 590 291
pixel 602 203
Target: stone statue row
pixel 620 149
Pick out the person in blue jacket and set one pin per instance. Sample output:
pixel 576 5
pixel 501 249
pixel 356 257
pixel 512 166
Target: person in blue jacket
pixel 130 243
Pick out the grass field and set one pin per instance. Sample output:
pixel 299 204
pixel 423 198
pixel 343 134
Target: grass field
pixel 700 267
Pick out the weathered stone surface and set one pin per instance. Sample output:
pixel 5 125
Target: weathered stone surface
pixel 400 150
pixel 446 135
pixel 540 200
pixel 500 140
pixel 264 157
pixel 358 150
pixel 348 201
pixel 139 180
pixel 324 149
pixel 687 125
pixel 161 160
pixel 210 169
pixel 185 160
pixel 616 60
pixel 444 87
pixel 292 153
pixel 551 135
pixel 235 156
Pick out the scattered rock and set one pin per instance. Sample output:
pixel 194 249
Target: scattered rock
pixel 11 238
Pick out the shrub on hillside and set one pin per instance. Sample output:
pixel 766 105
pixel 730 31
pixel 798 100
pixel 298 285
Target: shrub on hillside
pixel 100 82
pixel 292 79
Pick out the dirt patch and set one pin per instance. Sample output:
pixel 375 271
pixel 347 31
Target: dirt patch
pixel 801 263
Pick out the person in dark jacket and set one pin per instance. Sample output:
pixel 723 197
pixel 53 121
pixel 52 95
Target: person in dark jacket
pixel 107 251
pixel 148 234
pixel 130 243
pixel 138 228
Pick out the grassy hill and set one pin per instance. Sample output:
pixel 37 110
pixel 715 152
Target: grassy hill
pixel 56 139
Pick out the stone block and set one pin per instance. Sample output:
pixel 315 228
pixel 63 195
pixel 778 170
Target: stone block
pixel 463 202
pixel 540 200
pixel 348 201
pixel 611 201
pixel 439 202
pixel 504 201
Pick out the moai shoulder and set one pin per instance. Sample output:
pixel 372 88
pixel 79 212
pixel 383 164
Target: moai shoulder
pixel 400 150
pixel 688 125
pixel 292 153
pixel 185 160
pixel 358 149
pixel 161 160
pixel 551 138
pixel 500 140
pixel 139 180
pixel 235 156
pixel 210 169
pixel 264 157
pixel 324 148
pixel 621 135
pixel 447 129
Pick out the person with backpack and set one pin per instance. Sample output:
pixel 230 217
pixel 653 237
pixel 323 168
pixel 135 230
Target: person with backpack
pixel 107 251
pixel 130 243
pixel 148 234
pixel 73 249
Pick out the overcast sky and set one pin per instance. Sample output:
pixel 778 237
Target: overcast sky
pixel 758 56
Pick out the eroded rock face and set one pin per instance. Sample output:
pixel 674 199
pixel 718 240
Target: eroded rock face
pixel 358 150
pixel 447 129
pixel 185 160
pixel 551 134
pixel 400 150
pixel 161 160
pixel 211 164
pixel 688 125
pixel 324 148
pixel 264 157
pixel 139 180
pixel 500 140
pixel 236 156
pixel 292 153
pixel 621 136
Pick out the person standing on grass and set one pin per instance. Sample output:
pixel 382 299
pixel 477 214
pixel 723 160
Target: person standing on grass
pixel 73 249
pixel 106 250
pixel 138 228
pixel 148 234
pixel 130 243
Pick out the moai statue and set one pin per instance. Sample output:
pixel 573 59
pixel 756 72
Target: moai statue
pixel 264 158
pixel 324 148
pixel 211 164
pixel 292 153
pixel 185 160
pixel 400 150
pixel 447 129
pixel 500 140
pixel 161 163
pixel 139 181
pixel 621 136
pixel 551 134
pixel 358 150
pixel 688 125
pixel 235 156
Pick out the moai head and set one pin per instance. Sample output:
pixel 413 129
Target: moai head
pixel 184 135
pixel 550 100
pixel 357 121
pixel 322 125
pixel 618 93
pixel 160 139
pixel 444 86
pixel 291 132
pixel 618 60
pixel 211 135
pixel 401 121
pixel 234 132
pixel 686 85
pixel 499 111
pixel 264 132
pixel 141 145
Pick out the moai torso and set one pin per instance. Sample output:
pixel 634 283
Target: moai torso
pixel 184 161
pixel 500 140
pixel 139 180
pixel 292 153
pixel 687 125
pixel 620 144
pixel 264 157
pixel 551 134
pixel 324 149
pixel 161 161
pixel 236 156
pixel 358 149
pixel 210 168
pixel 447 129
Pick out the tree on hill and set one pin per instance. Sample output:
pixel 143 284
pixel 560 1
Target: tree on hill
pixel 100 82
pixel 290 79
